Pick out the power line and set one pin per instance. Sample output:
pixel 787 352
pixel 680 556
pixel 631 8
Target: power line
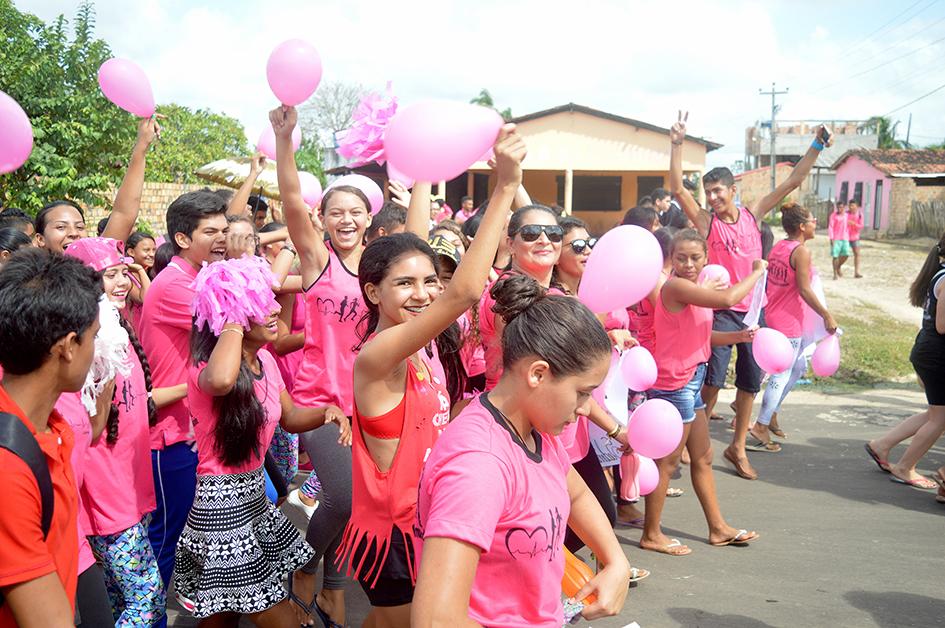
pixel 912 102
pixel 901 41
pixel 868 37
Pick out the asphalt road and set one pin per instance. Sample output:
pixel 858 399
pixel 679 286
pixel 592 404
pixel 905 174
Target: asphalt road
pixel 840 544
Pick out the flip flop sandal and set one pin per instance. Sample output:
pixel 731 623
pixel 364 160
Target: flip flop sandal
pixel 939 479
pixel 777 432
pixel 759 445
pixel 669 546
pixel 674 492
pixel 637 574
pixel 742 538
pixel 920 483
pixel 882 464
pixel 633 523
pixel 322 615
pixel 742 471
pixel 716 417
pixel 295 599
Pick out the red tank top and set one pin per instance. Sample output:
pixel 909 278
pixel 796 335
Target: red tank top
pixel 683 342
pixel 785 310
pixel 383 500
pixel 735 246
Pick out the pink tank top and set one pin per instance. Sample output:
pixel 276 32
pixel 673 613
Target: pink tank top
pixel 384 500
pixel 118 488
pixel 333 309
pixel 735 246
pixel 785 310
pixel 683 342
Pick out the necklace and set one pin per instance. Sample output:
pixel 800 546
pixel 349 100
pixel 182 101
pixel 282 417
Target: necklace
pixel 512 425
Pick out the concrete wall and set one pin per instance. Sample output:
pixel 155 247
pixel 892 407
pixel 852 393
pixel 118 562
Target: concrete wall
pixel 754 184
pixel 855 170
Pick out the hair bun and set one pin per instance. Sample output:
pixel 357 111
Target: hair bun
pixel 515 293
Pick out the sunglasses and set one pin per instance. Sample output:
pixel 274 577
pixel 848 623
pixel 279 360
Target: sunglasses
pixel 581 245
pixel 530 233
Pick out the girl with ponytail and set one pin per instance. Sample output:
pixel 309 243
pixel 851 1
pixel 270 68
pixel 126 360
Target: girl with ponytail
pixel 928 359
pixel 501 454
pixel 118 486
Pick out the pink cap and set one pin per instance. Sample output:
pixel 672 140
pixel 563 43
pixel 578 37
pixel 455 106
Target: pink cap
pixel 99 253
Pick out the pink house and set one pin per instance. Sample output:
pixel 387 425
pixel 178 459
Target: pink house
pixel 887 182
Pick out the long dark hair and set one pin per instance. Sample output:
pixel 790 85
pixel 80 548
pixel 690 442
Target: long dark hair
pixel 376 261
pixel 919 290
pixel 240 415
pixel 111 424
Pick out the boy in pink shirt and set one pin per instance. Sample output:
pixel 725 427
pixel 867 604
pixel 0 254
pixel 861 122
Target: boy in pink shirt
pixel 837 231
pixel 197 225
pixel 854 227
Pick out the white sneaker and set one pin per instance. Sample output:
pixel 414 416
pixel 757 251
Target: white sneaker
pixel 294 501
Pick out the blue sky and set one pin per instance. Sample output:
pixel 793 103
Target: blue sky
pixel 640 59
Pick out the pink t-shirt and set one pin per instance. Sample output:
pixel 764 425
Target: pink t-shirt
pixel 618 319
pixel 69 405
pixel 268 390
pixel 472 354
pixel 290 362
pixel 166 321
pixel 333 309
pixel 735 246
pixel 854 226
pixel 118 489
pixel 785 310
pixel 683 342
pixel 837 226
pixel 521 514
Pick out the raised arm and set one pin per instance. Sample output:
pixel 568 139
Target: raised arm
pixel 308 242
pixel 121 222
pixel 392 346
pixel 678 293
pixel 797 176
pixel 418 211
pixel 240 200
pixel 219 375
pixel 695 213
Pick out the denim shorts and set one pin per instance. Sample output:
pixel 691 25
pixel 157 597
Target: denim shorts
pixel 686 399
pixel 748 374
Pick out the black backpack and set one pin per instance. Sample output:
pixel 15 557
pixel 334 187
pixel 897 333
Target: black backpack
pixel 17 438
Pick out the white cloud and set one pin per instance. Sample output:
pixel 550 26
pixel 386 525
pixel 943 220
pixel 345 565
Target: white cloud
pixel 643 59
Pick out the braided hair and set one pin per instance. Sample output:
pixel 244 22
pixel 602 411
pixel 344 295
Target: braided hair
pixel 111 424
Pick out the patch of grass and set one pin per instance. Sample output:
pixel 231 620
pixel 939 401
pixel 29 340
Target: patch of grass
pixel 874 348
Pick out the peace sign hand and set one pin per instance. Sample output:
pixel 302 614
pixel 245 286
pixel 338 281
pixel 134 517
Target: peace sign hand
pixel 678 131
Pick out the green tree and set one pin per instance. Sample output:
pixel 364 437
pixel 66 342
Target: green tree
pixel 485 99
pixel 191 138
pixel 309 158
pixel 886 130
pixel 80 140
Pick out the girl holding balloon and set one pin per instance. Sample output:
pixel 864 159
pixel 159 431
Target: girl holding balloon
pixel 790 272
pixel 684 337
pixel 333 307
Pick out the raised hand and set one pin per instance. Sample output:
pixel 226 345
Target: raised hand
pixel 399 193
pixel 283 120
pixel 509 150
pixel 149 130
pixel 257 163
pixel 821 132
pixel 677 133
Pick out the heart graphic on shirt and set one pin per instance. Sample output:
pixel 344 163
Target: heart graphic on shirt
pixel 325 306
pixel 521 542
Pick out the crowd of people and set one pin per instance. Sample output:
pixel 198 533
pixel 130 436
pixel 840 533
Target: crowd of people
pixel 436 368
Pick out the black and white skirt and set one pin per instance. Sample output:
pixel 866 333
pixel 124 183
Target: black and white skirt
pixel 237 548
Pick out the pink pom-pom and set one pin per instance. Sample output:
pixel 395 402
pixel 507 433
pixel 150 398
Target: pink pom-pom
pixel 234 291
pixel 363 142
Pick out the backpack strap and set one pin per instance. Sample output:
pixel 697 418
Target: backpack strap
pixel 17 438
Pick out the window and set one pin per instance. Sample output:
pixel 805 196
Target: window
pixel 645 185
pixel 922 182
pixel 592 193
pixel 844 191
pixel 878 204
pixel 867 210
pixel 858 192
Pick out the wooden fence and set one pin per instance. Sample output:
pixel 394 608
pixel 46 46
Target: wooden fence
pixel 927 219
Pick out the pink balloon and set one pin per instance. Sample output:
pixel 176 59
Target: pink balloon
pixel 396 175
pixel 715 271
pixel 438 140
pixel 124 83
pixel 826 358
pixel 648 475
pixel 639 369
pixel 294 70
pixel 655 428
pixel 16 133
pixel 311 189
pixel 629 251
pixel 267 141
pixel 367 185
pixel 772 350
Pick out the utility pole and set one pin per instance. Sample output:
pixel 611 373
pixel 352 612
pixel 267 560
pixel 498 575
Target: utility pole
pixel 909 131
pixel 774 110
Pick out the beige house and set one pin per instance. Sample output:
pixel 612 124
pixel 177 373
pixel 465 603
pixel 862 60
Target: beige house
pixel 593 164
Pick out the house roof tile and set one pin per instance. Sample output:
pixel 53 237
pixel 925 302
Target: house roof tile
pixel 899 161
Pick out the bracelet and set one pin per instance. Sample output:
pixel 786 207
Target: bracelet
pixel 237 331
pixel 289 249
pixel 676 143
pixel 816 144
pixel 613 433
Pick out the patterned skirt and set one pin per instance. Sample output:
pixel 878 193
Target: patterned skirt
pixel 236 549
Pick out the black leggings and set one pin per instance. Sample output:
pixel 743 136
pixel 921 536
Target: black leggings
pixel 91 599
pixel 592 473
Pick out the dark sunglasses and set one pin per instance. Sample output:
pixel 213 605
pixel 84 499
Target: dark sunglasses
pixel 580 245
pixel 530 233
